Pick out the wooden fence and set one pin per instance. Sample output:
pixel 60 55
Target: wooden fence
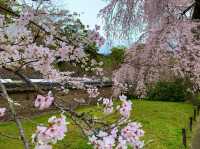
pixel 192 120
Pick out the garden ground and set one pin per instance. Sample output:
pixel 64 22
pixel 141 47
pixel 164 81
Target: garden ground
pixel 162 122
pixel 196 136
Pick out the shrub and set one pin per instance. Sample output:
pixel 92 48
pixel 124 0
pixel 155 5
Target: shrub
pixel 196 99
pixel 118 54
pixel 113 60
pixel 177 90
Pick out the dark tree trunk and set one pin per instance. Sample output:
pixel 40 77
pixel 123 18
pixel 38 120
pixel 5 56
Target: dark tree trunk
pixel 196 13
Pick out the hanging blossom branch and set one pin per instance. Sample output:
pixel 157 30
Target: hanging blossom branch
pixel 122 18
pixel 169 46
pixel 125 18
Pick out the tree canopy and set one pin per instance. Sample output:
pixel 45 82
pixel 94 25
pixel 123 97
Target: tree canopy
pixel 170 44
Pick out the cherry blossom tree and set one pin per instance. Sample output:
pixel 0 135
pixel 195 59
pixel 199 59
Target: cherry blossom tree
pixel 168 48
pixel 37 37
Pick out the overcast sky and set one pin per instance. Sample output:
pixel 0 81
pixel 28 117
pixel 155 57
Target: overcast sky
pixel 88 9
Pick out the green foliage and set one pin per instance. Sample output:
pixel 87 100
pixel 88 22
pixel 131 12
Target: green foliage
pixel 118 54
pixel 92 50
pixel 107 61
pixel 113 60
pixel 196 100
pixel 177 90
pixel 4 2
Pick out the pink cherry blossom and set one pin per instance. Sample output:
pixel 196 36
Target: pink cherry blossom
pixel 103 141
pixel 25 17
pixel 45 146
pixel 168 48
pixel 132 133
pixel 129 135
pixel 126 107
pixel 44 102
pixel 95 36
pixel 45 136
pixel 2 112
pixel 108 105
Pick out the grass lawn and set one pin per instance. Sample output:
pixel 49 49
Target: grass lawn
pixel 162 122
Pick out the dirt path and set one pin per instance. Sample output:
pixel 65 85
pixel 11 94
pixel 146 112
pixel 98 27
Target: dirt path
pixel 196 137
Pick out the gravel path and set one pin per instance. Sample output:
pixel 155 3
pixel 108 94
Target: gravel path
pixel 196 138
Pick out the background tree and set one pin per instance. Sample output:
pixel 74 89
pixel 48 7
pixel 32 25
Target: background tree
pixel 171 43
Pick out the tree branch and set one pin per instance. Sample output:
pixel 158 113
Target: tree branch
pixel 88 121
pixel 188 8
pixel 14 114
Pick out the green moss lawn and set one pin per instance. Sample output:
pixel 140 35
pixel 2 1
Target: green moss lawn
pixel 162 122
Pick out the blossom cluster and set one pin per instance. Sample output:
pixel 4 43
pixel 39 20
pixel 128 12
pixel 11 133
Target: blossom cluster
pixel 20 45
pixel 131 134
pixel 44 102
pixel 55 131
pixel 2 112
pixel 108 105
pixel 69 53
pixel 95 36
pixel 120 134
pixel 126 106
pixel 104 140
pixel 26 16
pixel 119 139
